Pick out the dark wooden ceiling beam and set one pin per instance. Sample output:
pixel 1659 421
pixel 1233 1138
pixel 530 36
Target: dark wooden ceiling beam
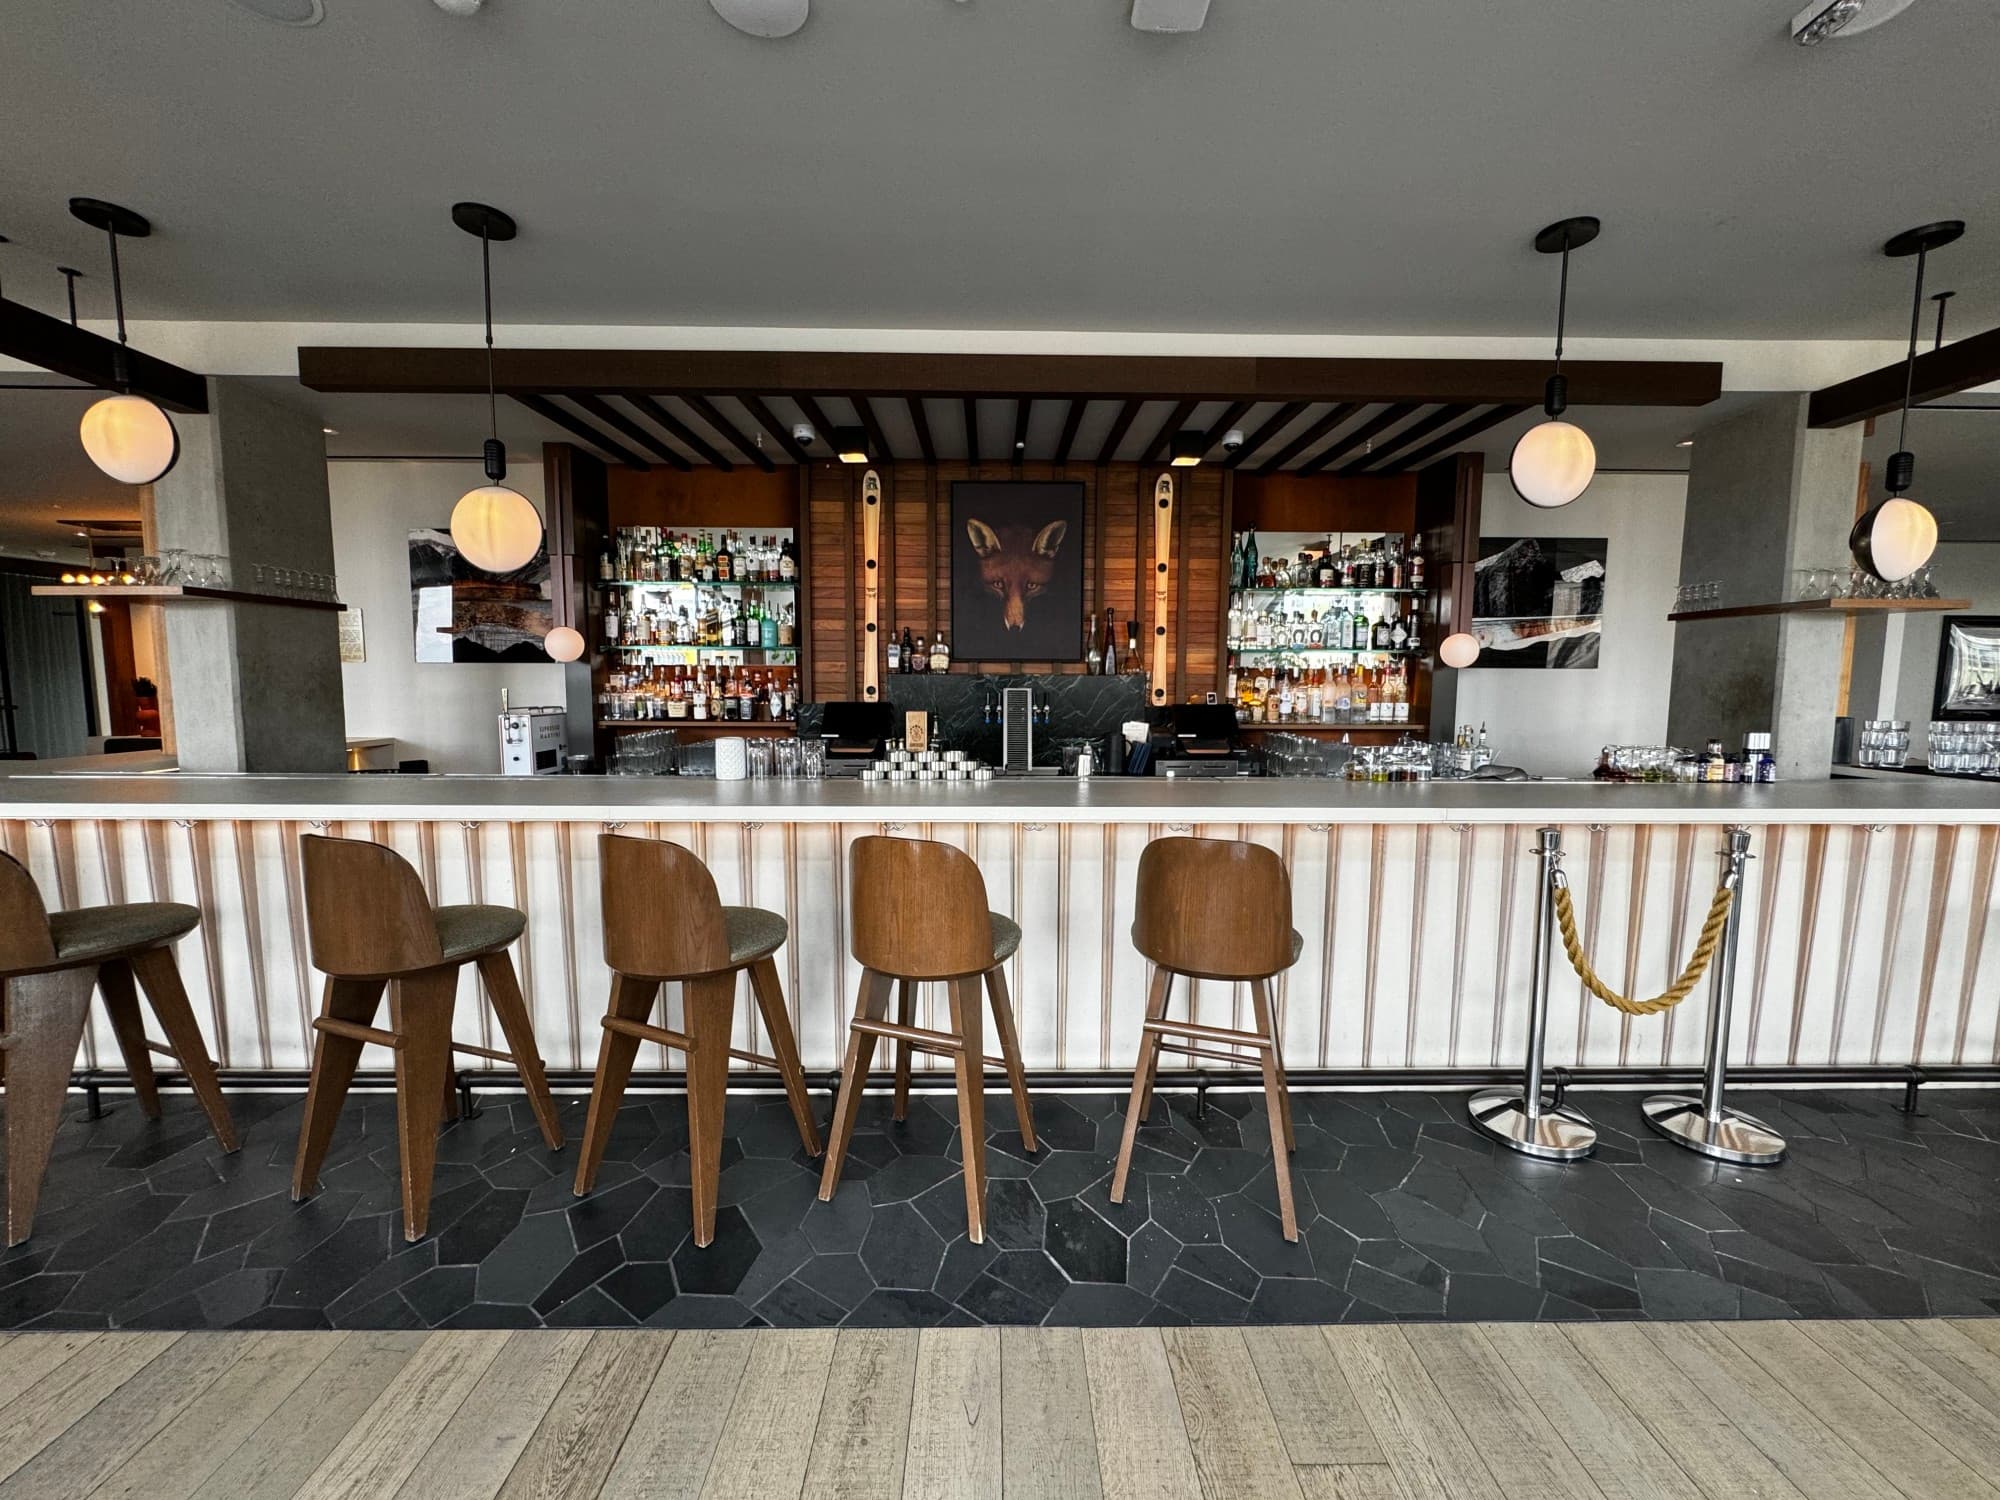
pixel 1163 439
pixel 51 344
pixel 1023 409
pixel 1119 427
pixel 615 419
pixel 971 430
pixel 1367 432
pixel 1072 420
pixel 1313 434
pixel 1463 433
pixel 543 407
pixel 920 420
pixel 1416 432
pixel 651 408
pixel 1940 372
pixel 1152 377
pixel 1276 423
pixel 1236 412
pixel 878 440
pixel 706 409
pixel 779 432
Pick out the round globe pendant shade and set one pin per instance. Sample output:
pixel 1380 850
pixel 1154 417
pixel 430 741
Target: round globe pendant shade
pixel 1553 463
pixel 1894 539
pixel 130 438
pixel 563 644
pixel 496 529
pixel 1459 649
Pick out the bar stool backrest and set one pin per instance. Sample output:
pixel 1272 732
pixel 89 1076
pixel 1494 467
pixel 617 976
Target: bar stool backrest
pixel 919 909
pixel 366 912
pixel 1217 908
pixel 25 942
pixel 662 916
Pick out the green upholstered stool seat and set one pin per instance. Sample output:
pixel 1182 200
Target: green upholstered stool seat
pixel 753 932
pixel 94 933
pixel 467 931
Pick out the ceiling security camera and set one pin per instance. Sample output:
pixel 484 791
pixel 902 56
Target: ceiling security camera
pixel 803 434
pixel 1232 440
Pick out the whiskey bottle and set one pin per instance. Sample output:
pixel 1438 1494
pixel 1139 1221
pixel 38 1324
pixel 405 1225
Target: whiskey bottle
pixel 918 660
pixel 788 562
pixel 725 560
pixel 895 654
pixel 1381 636
pixel 1417 561
pixel 940 654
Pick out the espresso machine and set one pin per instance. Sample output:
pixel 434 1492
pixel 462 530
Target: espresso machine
pixel 533 741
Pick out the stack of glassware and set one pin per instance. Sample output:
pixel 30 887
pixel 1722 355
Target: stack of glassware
pixel 1883 743
pixel 1960 748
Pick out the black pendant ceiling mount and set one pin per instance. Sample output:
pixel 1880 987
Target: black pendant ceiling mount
pixel 491 225
pixel 1896 537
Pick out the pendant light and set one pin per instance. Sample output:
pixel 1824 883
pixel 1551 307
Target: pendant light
pixel 495 528
pixel 1459 650
pixel 126 436
pixel 1555 460
pixel 1895 538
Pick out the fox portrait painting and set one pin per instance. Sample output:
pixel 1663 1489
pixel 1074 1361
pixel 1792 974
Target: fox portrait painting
pixel 1017 558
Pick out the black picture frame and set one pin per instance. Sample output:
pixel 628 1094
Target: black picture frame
pixel 1955 672
pixel 1017 563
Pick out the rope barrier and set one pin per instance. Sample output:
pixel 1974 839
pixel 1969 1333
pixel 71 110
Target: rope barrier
pixel 1679 990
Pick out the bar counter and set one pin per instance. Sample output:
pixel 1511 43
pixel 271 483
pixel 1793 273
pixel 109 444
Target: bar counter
pixel 1865 940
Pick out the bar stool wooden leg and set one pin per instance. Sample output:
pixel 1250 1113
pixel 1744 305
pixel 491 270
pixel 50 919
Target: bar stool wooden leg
pixel 711 1009
pixel 631 1000
pixel 160 976
pixel 968 1019
pixel 1277 1056
pixel 785 1047
pixel 871 1005
pixel 1276 1105
pixel 420 1014
pixel 334 1060
pixel 1010 1052
pixel 1142 1081
pixel 121 1004
pixel 44 1020
pixel 504 993
pixel 906 1015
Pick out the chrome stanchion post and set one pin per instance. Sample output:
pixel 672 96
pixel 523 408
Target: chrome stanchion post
pixel 1707 1125
pixel 1520 1119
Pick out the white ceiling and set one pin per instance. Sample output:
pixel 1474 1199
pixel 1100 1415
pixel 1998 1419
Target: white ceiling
pixel 1297 166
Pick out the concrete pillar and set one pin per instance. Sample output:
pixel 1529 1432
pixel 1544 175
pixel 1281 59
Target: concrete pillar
pixel 1766 496
pixel 249 687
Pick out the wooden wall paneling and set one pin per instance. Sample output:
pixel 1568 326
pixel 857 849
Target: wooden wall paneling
pixel 801 478
pixel 747 499
pixel 871 586
pixel 1163 534
pixel 932 562
pixel 1226 536
pixel 1315 502
pixel 1446 516
pixel 1183 506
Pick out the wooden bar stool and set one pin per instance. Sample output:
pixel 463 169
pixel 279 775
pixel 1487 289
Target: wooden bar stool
pixel 664 921
pixel 372 927
pixel 920 914
pixel 1214 909
pixel 49 963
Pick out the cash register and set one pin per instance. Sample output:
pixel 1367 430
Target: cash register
pixel 1197 739
pixel 855 731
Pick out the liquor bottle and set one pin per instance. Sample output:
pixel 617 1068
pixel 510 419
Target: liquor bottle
pixel 940 654
pixel 1328 573
pixel 1399 634
pixel 1250 572
pixel 746 697
pixel 1093 657
pixel 1132 644
pixel 611 623
pixel 788 562
pixel 1381 634
pixel 724 561
pixel 909 651
pixel 769 623
pixel 788 630
pixel 1417 561
pixel 1110 642
pixel 895 654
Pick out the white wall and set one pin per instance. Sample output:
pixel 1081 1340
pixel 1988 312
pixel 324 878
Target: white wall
pixel 440 712
pixel 1965 570
pixel 1553 723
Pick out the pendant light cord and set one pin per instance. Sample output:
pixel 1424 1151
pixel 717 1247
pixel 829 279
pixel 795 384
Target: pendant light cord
pixel 1910 363
pixel 1562 303
pixel 486 276
pixel 117 285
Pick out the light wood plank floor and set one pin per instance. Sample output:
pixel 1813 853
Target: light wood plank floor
pixel 1681 1411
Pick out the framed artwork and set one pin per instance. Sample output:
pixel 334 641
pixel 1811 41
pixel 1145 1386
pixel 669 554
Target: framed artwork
pixel 464 615
pixel 1968 672
pixel 1017 553
pixel 353 644
pixel 1538 602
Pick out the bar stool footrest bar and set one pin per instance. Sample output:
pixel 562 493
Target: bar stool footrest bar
pixel 1189 1049
pixel 354 1031
pixel 916 1036
pixel 1221 1036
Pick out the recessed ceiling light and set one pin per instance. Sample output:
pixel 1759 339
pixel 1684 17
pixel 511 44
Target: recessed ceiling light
pixel 762 18
pixel 1685 443
pixel 331 431
pixel 1169 16
pixel 287 12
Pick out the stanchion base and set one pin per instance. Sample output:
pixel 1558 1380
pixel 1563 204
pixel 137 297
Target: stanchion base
pixel 1555 1134
pixel 1736 1138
